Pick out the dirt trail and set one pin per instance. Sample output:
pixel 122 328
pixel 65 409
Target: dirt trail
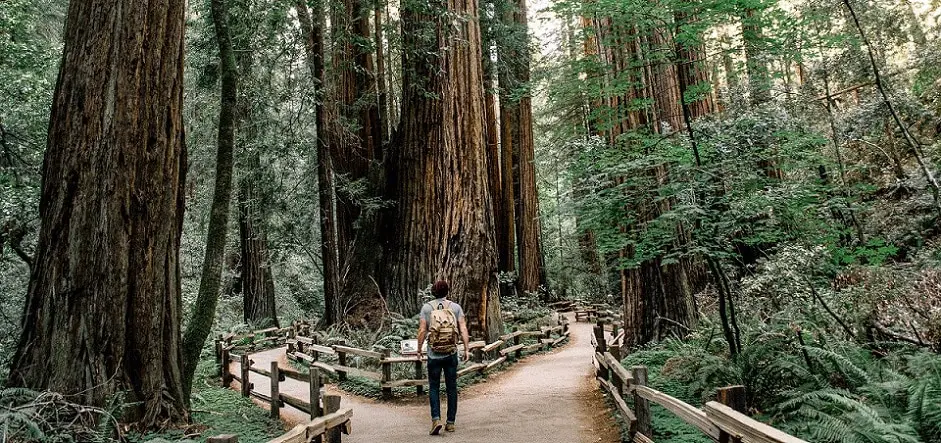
pixel 549 397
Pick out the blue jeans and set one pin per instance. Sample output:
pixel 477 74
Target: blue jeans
pixel 449 366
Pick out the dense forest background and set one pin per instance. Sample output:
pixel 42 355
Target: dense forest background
pixel 753 183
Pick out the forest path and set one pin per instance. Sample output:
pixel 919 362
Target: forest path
pixel 550 397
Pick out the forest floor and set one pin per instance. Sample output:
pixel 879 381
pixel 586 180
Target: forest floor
pixel 545 397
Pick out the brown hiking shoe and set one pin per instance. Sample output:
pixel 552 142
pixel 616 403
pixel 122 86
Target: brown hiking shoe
pixel 435 427
pixel 449 427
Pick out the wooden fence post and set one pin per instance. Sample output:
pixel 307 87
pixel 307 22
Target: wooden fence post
pixel 386 374
pixel 275 390
pixel 548 336
pixel 641 405
pixel 245 363
pixel 224 368
pixel 331 404
pixel 733 397
pixel 341 359
pixel 615 351
pixel 419 374
pixel 478 355
pixel 218 348
pixel 316 355
pixel 516 341
pixel 314 382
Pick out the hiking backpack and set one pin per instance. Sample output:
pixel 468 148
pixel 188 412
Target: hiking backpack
pixel 443 329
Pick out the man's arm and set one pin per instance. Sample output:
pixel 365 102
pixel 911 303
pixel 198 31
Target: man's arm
pixel 422 330
pixel 464 336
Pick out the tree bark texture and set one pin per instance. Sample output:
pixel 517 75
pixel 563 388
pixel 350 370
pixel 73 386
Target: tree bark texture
pixel 355 139
pixel 443 213
pixel 658 298
pixel 103 305
pixel 204 310
pixel 516 118
pixel 312 33
pixel 258 296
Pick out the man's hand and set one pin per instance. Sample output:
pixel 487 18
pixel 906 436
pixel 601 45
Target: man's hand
pixel 466 354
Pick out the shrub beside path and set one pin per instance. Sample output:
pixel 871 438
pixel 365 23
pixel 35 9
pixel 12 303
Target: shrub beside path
pixel 549 397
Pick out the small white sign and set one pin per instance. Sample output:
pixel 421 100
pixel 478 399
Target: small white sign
pixel 409 347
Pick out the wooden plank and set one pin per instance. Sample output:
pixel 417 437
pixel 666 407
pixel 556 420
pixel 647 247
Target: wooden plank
pixel 493 346
pixel 357 372
pixel 261 371
pixel 472 368
pixel 740 425
pixel 686 412
pixel 324 366
pixel 509 336
pixel 302 356
pixel 494 363
pixel 602 363
pixel 405 383
pixel 297 434
pixel 264 331
pixel 641 438
pixel 403 359
pixel 295 402
pixel 292 374
pixel 534 347
pixel 618 370
pixel 510 349
pixel 357 351
pixel 320 348
pixel 559 340
pixel 474 345
pixel 260 396
pixel 626 413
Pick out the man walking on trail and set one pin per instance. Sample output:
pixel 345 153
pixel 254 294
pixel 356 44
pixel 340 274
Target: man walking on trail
pixel 441 320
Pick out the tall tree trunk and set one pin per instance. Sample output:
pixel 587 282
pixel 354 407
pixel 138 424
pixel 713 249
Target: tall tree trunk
pixel 355 138
pixel 258 296
pixel 312 31
pixel 256 278
pixel 443 214
pixel 381 87
pixel 204 310
pixel 103 307
pixel 516 116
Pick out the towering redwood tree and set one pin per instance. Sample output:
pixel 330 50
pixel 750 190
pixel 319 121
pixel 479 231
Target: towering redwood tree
pixel 443 214
pixel 499 162
pixel 312 33
pixel 354 133
pixel 204 310
pixel 257 281
pixel 254 265
pixel 657 294
pixel 103 308
pixel 516 118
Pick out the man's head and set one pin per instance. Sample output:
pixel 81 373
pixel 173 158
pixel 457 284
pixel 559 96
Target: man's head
pixel 440 289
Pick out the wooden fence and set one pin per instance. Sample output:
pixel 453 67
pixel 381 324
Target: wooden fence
pixel 509 347
pixel 723 420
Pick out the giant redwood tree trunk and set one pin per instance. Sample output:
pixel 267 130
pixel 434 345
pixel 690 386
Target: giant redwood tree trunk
pixel 354 134
pixel 443 214
pixel 258 296
pixel 103 308
pixel 516 117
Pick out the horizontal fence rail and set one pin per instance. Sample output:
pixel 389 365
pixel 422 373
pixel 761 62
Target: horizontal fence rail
pixel 722 421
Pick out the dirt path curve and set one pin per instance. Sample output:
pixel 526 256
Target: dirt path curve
pixel 549 397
